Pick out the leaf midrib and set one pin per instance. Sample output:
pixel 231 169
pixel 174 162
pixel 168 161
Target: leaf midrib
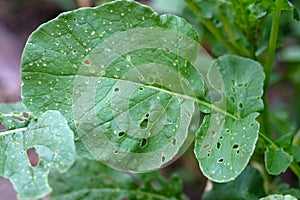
pixel 202 102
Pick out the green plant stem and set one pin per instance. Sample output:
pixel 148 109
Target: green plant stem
pixel 272 42
pixel 213 29
pixel 269 63
pixel 227 27
pixel 294 165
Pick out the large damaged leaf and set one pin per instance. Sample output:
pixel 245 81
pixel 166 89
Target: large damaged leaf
pixel 226 141
pixel 123 77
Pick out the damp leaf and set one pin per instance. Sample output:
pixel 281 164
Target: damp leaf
pixel 52 139
pixel 224 144
pixel 123 77
pixel 89 179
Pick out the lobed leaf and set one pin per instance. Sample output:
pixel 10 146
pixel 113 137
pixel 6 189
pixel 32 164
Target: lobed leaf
pixel 224 144
pixel 52 140
pixel 89 179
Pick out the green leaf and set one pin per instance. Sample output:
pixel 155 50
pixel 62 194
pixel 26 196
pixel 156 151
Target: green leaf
pixel 284 189
pixel 248 186
pixel 278 197
pixel 12 107
pixel 168 6
pixel 53 141
pixel 89 179
pixel 122 76
pixel 129 81
pixel 277 160
pixel 13 116
pixel 296 152
pixel 224 145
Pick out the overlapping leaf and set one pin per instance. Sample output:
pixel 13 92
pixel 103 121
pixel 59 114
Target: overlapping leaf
pixel 122 76
pixel 225 144
pixel 53 141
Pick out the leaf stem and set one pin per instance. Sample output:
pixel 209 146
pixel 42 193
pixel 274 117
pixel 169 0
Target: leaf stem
pixel 13 131
pixel 212 28
pixel 294 165
pixel 272 42
pixel 15 117
pixel 269 62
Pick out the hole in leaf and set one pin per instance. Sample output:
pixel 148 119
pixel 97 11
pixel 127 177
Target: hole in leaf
pixel 206 146
pixel 121 134
pixel 241 105
pixel 33 157
pixel 221 137
pixel 168 49
pixel 116 151
pixel 173 141
pixel 2 127
pixel 233 89
pixel 86 62
pixel 208 154
pixel 144 124
pixel 246 85
pixel 144 142
pixel 213 133
pixel 238 151
pixel 235 146
pixel 141 88
pixel 232 99
pixel 92 70
pixel 240 84
pixel 163 158
pixel 151 80
pixel 147 115
pixel 116 89
pixel 233 82
pixel 227 130
pixel 218 145
pixel 26 115
pixel 252 125
pixel 220 160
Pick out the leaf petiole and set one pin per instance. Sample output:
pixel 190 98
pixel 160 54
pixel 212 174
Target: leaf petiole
pixel 12 131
